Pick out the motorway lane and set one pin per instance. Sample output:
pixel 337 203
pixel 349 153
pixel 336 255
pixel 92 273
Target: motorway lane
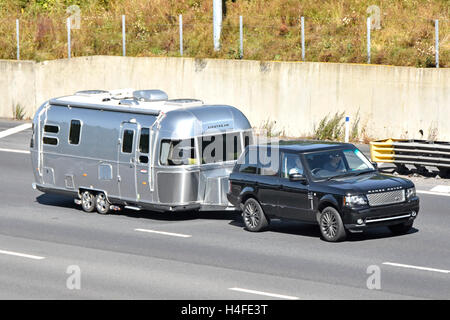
pixel 118 262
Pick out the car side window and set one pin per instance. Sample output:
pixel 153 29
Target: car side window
pixel 290 163
pixel 246 166
pixel 267 165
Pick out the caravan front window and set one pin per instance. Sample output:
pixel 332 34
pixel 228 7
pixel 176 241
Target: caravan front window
pixel 177 152
pixel 220 147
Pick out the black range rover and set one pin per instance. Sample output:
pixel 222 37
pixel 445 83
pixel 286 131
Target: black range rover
pixel 333 185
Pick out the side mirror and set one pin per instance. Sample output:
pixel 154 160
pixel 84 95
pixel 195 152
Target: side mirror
pixel 297 177
pixel 375 165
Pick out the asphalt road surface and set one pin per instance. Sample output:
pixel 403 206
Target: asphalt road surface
pixel 51 249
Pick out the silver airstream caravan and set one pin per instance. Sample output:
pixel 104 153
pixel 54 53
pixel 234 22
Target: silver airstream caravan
pixel 138 150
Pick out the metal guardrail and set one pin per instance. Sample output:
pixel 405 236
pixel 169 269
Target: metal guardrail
pixel 419 153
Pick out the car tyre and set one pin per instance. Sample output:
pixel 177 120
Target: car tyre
pixel 331 225
pixel 402 228
pixel 88 201
pixel 102 204
pixel 254 217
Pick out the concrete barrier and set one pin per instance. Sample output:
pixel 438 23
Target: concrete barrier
pixel 392 101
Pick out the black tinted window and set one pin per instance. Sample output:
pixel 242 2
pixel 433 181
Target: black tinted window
pixel 50 141
pixel 75 131
pixel 267 161
pixel 51 129
pixel 127 144
pixel 248 165
pixel 144 140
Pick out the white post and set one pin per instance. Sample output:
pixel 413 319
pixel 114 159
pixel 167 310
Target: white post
pixel 17 38
pixel 217 23
pixel 241 38
pixel 124 49
pixel 68 39
pixel 368 40
pixel 181 34
pixel 436 30
pixel 302 20
pixel 347 128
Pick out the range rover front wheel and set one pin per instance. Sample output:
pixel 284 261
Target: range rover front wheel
pixel 254 218
pixel 331 226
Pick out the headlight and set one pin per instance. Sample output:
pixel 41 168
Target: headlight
pixel 410 193
pixel 355 200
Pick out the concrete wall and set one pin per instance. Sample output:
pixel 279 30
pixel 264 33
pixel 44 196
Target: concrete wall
pixel 392 101
pixel 17 87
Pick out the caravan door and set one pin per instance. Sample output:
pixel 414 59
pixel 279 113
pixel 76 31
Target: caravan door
pixel 127 161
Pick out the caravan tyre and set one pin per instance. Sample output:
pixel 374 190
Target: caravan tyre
pixel 88 201
pixel 102 204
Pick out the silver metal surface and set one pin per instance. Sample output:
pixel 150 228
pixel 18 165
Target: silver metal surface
pixel 388 218
pixel 99 164
pixel 384 198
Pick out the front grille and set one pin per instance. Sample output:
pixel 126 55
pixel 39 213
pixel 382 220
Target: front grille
pixel 383 198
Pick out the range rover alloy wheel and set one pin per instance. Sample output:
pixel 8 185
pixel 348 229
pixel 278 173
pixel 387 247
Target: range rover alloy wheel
pixel 102 204
pixel 254 218
pixel 87 201
pixel 331 226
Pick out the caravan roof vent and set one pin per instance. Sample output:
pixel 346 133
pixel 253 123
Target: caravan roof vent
pixel 150 95
pixel 129 102
pixel 184 102
pixel 90 92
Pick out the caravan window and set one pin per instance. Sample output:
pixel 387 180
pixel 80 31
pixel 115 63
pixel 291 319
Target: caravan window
pixel 127 144
pixel 221 147
pixel 75 131
pixel 144 145
pixel 144 140
pixel 50 141
pixel 178 152
pixel 51 129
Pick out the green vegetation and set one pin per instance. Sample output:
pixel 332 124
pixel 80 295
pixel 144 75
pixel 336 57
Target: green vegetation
pixel 19 112
pixel 335 29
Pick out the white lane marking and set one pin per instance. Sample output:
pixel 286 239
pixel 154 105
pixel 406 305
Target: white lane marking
pixel 444 189
pixel 415 267
pixel 164 233
pixel 23 255
pixel 433 193
pixel 17 129
pixel 15 151
pixel 262 293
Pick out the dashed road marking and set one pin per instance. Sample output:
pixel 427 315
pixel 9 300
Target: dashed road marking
pixel 165 233
pixel 14 130
pixel 23 255
pixel 415 267
pixel 14 151
pixel 262 293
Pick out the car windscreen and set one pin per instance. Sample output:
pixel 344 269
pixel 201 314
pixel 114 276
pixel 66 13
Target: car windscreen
pixel 334 163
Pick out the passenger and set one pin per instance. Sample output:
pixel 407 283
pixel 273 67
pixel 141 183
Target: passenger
pixel 297 167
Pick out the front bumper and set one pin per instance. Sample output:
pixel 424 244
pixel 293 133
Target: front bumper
pixel 380 216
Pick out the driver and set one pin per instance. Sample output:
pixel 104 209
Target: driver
pixel 335 163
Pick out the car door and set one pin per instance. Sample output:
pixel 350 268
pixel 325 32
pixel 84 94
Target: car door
pixel 127 161
pixel 268 180
pixel 293 196
pixel 143 166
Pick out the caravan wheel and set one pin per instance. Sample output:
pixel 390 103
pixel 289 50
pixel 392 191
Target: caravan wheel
pixel 87 201
pixel 102 204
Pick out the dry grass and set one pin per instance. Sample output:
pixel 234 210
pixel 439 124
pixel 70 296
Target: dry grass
pixel 335 29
